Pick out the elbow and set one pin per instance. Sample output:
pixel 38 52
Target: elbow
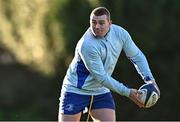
pixel 100 78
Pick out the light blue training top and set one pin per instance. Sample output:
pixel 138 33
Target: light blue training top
pixel 95 58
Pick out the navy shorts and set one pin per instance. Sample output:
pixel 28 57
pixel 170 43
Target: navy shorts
pixel 72 103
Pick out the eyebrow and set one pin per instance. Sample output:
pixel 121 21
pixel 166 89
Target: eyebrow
pixel 99 20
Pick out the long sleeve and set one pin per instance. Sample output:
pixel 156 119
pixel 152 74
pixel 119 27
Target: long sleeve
pixel 137 58
pixel 92 60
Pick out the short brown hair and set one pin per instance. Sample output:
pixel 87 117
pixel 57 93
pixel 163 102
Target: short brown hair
pixel 99 11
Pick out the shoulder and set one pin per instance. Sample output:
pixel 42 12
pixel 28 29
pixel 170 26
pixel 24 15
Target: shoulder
pixel 118 29
pixel 122 33
pixel 87 42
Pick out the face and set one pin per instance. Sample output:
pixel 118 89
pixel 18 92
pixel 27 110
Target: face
pixel 99 25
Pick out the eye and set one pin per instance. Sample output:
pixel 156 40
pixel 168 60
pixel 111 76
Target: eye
pixel 93 22
pixel 101 23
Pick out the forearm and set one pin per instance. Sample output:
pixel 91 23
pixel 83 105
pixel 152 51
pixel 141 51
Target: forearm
pixel 116 86
pixel 93 62
pixel 142 67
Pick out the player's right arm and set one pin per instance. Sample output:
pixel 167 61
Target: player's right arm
pixel 91 57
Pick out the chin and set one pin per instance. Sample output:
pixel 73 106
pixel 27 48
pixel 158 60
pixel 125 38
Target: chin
pixel 100 35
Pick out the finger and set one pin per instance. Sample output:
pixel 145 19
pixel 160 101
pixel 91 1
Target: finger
pixel 138 102
pixel 134 96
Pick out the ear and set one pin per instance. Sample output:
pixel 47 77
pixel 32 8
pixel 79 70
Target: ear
pixel 110 22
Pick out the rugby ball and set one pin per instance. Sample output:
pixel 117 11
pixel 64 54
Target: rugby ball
pixel 149 95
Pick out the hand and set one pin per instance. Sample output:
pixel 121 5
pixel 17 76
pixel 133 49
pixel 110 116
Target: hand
pixel 156 87
pixel 134 96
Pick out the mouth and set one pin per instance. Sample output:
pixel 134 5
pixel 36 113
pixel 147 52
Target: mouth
pixel 98 31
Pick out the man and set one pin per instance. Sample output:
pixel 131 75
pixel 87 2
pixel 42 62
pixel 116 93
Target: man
pixel 88 79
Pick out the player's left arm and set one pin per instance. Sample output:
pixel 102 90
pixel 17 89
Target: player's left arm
pixel 139 60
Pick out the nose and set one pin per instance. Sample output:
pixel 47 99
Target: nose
pixel 97 26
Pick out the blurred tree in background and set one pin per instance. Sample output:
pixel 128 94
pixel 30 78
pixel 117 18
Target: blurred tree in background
pixel 37 41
